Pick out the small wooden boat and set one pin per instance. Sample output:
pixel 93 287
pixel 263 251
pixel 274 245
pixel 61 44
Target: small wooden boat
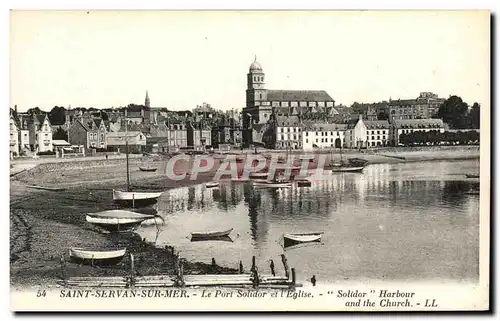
pixel 272 184
pixel 471 175
pixel 347 169
pixel 147 169
pixel 136 198
pixel 212 184
pixel 258 175
pixel 296 238
pixel 210 235
pixel 240 159
pixel 53 189
pixel 105 258
pixel 304 183
pixel 117 220
pixel 225 238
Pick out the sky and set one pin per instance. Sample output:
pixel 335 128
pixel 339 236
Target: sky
pixel 184 58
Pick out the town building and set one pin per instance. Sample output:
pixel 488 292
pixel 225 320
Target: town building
pixel 90 133
pixel 199 135
pixel 40 133
pixel 262 102
pixel 407 126
pixel 408 109
pixel 367 133
pixel 14 136
pixel 169 135
pixel 323 135
pixel 285 132
pixel 227 131
pixel 433 102
pixel 117 141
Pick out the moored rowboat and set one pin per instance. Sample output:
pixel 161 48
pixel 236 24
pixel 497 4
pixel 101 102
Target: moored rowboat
pixel 211 234
pixel 346 169
pixel 271 184
pixel 258 175
pixel 96 257
pixel 295 238
pixel 136 198
pixel 471 175
pixel 147 169
pixel 212 184
pixel 117 220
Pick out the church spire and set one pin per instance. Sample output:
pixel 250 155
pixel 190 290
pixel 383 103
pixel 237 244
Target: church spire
pixel 147 102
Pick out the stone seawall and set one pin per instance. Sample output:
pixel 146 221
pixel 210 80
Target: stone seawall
pixel 58 167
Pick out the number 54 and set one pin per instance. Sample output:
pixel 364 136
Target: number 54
pixel 40 293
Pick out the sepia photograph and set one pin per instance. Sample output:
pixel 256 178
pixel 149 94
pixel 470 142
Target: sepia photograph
pixel 249 160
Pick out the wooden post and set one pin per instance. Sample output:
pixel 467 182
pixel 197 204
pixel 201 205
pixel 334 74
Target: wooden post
pixel 253 263
pixel 293 277
pixel 181 275
pixel 241 267
pixel 255 278
pixel 133 200
pixel 285 265
pixel 271 265
pixel 132 270
pixel 63 271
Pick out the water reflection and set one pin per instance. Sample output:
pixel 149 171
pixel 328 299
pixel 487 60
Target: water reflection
pixel 391 221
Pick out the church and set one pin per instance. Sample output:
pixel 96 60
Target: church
pixel 264 107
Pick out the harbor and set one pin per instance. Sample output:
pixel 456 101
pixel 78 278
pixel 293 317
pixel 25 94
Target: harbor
pixel 259 218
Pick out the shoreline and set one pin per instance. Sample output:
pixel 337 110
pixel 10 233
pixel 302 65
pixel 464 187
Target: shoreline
pixel 44 224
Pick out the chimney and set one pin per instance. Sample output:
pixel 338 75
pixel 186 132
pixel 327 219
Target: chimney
pixel 360 117
pixel 15 109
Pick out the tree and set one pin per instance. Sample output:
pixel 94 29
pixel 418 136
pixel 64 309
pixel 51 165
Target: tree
pixel 60 134
pixel 57 115
pixel 34 111
pixel 454 112
pixel 104 116
pixel 474 116
pixel 383 115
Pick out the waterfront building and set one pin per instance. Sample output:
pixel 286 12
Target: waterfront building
pixel 117 141
pixel 14 136
pixel 367 133
pixel 323 135
pixel 90 133
pixel 227 131
pixel 285 132
pixel 425 106
pixel 40 133
pixel 433 102
pixel 199 135
pixel 407 126
pixel 261 103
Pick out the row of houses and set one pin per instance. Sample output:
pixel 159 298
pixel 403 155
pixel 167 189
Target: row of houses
pixel 292 133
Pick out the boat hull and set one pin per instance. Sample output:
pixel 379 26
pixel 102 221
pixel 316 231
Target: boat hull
pixel 224 238
pixel 146 169
pixel 115 225
pixel 211 234
pixel 135 199
pixel 272 185
pixel 349 169
pixel 212 184
pixel 294 239
pixel 105 258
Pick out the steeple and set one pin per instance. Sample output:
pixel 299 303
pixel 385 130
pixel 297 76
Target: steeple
pixel 147 102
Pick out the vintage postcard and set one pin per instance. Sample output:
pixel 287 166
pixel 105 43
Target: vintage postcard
pixel 249 160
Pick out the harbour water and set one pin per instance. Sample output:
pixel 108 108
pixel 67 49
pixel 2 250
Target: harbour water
pixel 407 221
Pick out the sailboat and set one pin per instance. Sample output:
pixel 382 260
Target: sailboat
pixel 352 165
pixel 129 198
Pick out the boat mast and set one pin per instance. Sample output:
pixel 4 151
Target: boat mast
pixel 126 150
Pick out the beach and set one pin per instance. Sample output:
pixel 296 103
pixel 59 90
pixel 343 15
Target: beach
pixel 44 224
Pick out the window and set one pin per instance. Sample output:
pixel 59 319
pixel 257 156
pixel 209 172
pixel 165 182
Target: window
pixel 338 134
pixel 282 130
pixel 294 137
pixel 307 141
pixel 307 133
pixel 378 131
pixel 288 129
pixel 316 140
pixel 331 133
pixel 331 140
pixel 378 137
pixel 373 137
pixel 294 130
pixel 316 133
